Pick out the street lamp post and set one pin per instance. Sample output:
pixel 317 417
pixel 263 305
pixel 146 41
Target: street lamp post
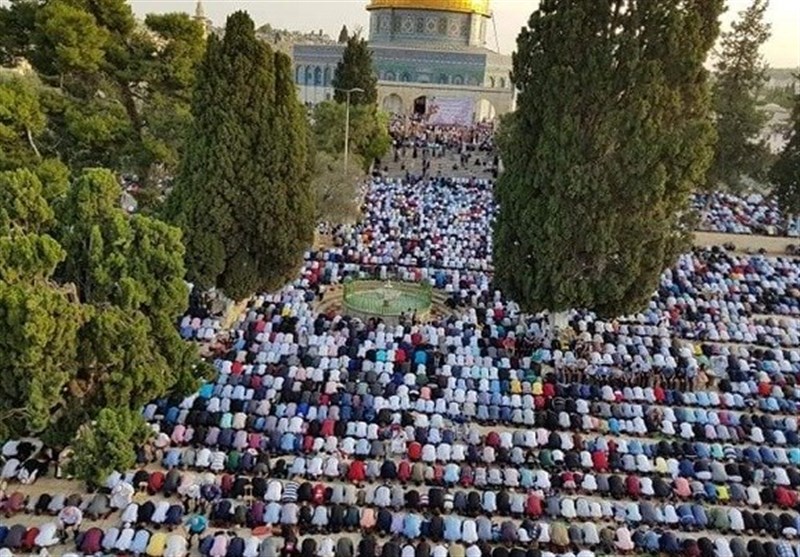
pixel 347 123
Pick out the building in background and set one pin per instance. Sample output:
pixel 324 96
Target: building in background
pixel 429 56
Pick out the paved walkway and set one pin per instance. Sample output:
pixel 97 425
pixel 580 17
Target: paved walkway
pixel 775 245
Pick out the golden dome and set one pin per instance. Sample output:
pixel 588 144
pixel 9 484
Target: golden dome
pixel 460 6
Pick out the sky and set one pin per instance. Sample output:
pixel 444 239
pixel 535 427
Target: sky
pixel 782 51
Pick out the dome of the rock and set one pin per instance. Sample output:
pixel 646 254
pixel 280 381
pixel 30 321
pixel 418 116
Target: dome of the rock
pixel 480 7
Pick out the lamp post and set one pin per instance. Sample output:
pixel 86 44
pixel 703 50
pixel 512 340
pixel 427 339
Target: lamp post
pixel 347 123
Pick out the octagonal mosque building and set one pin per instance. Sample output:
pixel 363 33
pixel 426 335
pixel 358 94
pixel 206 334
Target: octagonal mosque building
pixel 430 56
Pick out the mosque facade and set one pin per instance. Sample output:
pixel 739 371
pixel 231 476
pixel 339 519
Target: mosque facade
pixel 424 51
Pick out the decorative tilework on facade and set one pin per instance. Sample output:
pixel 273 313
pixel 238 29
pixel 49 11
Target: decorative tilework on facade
pixel 422 52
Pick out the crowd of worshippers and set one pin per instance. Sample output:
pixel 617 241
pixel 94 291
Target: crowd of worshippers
pixel 735 214
pixel 460 520
pixel 480 433
pixel 417 138
pixel 418 131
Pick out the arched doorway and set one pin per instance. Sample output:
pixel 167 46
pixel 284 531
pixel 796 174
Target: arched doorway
pixel 484 110
pixel 393 104
pixel 420 105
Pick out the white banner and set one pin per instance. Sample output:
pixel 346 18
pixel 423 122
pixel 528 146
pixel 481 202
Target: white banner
pixel 450 111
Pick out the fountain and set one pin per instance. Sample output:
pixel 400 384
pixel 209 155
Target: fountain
pixel 386 299
pixel 388 294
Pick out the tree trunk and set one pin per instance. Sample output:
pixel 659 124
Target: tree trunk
pixel 129 102
pixel 32 143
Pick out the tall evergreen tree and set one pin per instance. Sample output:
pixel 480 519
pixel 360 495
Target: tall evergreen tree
pixel 611 134
pixel 39 322
pixel 740 73
pixel 128 272
pixel 243 195
pixel 355 69
pixel 88 301
pixel 344 35
pixel 785 173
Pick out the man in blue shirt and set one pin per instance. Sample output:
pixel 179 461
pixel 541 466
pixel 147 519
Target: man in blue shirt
pixel 196 525
pixel 412 524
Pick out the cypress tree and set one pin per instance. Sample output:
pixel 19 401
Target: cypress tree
pixel 344 35
pixel 785 173
pixel 740 74
pixel 243 196
pixel 355 69
pixel 611 134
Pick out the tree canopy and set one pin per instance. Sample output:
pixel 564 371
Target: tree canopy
pixel 369 131
pixel 89 295
pixel 740 73
pixel 22 122
pixel 369 127
pixel 108 91
pixel 336 193
pixel 39 321
pixel 355 70
pixel 243 195
pixel 785 173
pixel 88 300
pixel 611 134
pixel 107 444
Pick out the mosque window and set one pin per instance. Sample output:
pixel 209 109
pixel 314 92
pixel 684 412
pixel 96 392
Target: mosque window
pixel 458 80
pixel 309 76
pixel 327 79
pixel 443 79
pixel 405 77
pixel 389 76
pixel 502 82
pixel 492 83
pixel 317 76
